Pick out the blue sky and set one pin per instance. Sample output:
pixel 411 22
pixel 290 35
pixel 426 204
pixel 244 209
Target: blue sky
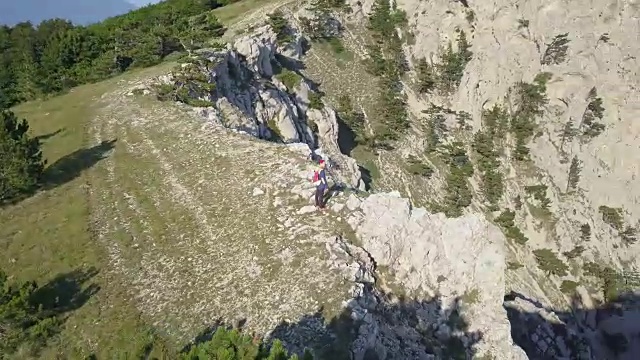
pixel 142 2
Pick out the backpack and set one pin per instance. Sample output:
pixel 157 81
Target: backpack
pixel 316 176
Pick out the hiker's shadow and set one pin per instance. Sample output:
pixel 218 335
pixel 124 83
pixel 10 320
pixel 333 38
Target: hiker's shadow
pixel 72 165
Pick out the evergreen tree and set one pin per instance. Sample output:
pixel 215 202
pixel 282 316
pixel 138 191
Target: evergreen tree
pixel 574 174
pixel 21 163
pixel 23 323
pixel 549 262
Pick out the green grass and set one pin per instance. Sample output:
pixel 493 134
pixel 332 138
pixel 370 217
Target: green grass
pixel 49 234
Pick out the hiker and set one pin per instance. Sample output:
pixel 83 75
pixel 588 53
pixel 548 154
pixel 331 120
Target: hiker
pixel 320 181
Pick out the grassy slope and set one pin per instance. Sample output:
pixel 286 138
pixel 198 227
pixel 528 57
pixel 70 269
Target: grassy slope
pixel 48 237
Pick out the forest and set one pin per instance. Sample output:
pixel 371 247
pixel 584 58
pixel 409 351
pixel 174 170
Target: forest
pixel 56 55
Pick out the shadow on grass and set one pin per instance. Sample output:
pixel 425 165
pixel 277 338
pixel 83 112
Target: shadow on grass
pixel 66 292
pixel 72 165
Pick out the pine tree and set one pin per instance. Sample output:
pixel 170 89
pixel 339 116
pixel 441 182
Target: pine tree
pixel 426 76
pixel 23 323
pixel 21 161
pixel 574 174
pixel 549 262
pixel 585 232
pixel 567 133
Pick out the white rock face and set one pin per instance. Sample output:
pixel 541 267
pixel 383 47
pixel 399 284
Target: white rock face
pixel 455 258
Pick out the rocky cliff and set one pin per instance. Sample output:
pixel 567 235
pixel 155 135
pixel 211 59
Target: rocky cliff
pixel 524 162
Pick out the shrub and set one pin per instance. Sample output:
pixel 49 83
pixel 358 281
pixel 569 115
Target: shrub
pixel 23 322
pixel 315 100
pixel 539 193
pixel 549 262
pixel 417 167
pixel 530 100
pixel 233 345
pixel 289 78
pixel 612 216
pixel 513 265
pixel 506 221
pixel 628 235
pixel 556 51
pixel 585 232
pixel 458 192
pixel 355 120
pixel 575 252
pixel 21 163
pixel 574 174
pixel 568 287
pixel 280 26
pixel 447 73
pixel 590 127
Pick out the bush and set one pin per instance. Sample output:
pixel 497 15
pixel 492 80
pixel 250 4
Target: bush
pixel 289 78
pixel 386 60
pixel 355 120
pixel 280 26
pixel 417 167
pixel 612 216
pixel 530 100
pixel 315 100
pixel 23 322
pixel 233 345
pixel 568 287
pixel 549 262
pixel 539 193
pixel 506 221
pixel 446 75
pixel 21 160
pixel 575 252
pixel 458 192
pixel 585 232
pixel 590 127
pixel 556 51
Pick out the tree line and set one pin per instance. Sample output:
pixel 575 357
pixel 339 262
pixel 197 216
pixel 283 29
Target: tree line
pixel 56 55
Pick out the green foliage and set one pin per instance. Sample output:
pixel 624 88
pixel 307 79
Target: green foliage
pixel 280 26
pixel 513 265
pixel 276 135
pixel 574 174
pixel 556 51
pixel 436 131
pixel 568 287
pixel 386 60
pixel 355 120
pixel 549 262
pixel 628 235
pixel 611 282
pixel 585 232
pixel 190 86
pixel 612 216
pixel 289 78
pixel 458 192
pixel 506 221
pixel 447 73
pixel 21 163
pixel 484 144
pixel 315 100
pixel 56 55
pixel 233 345
pixel 530 100
pixel 523 23
pixel 195 32
pixel 23 322
pixel 590 126
pixel 568 132
pixel 575 252
pixel 539 193
pixel 417 167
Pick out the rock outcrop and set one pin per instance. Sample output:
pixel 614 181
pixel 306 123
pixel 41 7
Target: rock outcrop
pixel 250 97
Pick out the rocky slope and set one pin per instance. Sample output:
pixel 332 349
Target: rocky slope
pixel 266 89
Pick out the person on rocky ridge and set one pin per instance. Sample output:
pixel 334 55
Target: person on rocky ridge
pixel 320 181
